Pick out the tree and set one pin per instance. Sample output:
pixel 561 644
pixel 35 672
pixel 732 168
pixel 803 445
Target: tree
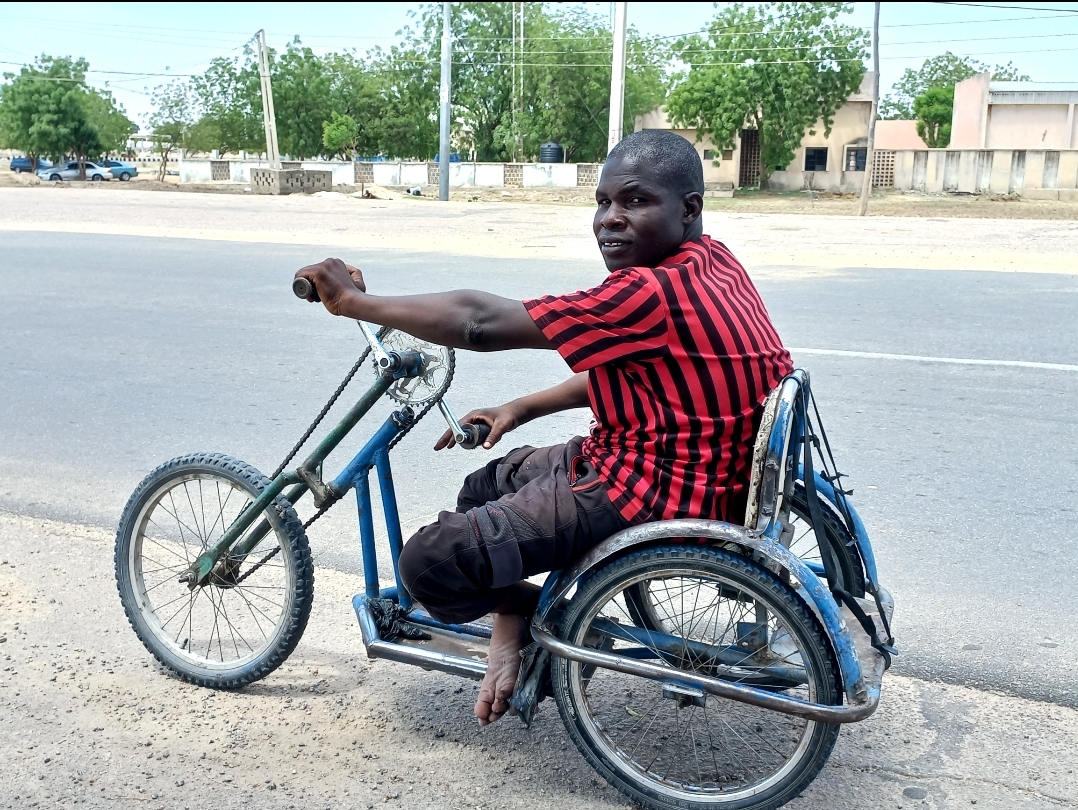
pixel 567 84
pixel 108 119
pixel 229 95
pixel 933 109
pixel 564 67
pixel 172 121
pixel 340 135
pixel 42 111
pixel 781 68
pixel 945 70
pixel 301 99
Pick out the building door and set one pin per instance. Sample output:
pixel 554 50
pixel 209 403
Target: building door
pixel 749 171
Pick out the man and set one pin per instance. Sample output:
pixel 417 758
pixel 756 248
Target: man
pixel 674 353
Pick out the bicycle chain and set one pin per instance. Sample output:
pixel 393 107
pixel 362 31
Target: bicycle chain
pixel 322 415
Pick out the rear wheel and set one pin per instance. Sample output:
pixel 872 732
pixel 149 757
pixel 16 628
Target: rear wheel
pixel 804 544
pixel 125 176
pixel 249 616
pixel 97 178
pixel 667 746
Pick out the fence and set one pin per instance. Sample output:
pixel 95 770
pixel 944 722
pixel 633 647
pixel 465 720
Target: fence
pixel 400 173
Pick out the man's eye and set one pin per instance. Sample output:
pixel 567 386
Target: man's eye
pixel 636 200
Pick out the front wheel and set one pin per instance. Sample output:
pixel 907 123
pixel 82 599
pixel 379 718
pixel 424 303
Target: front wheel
pixel 667 746
pixel 249 616
pixel 55 178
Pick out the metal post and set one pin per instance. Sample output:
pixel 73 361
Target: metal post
pixel 617 77
pixel 443 97
pixel 866 181
pixel 269 119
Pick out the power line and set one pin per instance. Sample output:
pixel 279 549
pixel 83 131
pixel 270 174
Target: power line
pixel 1019 8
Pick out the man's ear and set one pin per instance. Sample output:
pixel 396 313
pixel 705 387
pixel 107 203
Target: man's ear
pixel 692 206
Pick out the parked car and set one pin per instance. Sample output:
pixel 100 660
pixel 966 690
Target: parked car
pixel 22 164
pixel 70 171
pixel 120 170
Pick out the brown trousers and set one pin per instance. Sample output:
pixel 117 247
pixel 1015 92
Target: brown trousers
pixel 535 510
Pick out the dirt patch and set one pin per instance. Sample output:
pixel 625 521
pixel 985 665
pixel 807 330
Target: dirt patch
pixel 90 719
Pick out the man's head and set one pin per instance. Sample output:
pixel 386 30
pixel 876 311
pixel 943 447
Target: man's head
pixel 650 197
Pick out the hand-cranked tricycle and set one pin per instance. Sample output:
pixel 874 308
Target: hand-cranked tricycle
pixel 695 663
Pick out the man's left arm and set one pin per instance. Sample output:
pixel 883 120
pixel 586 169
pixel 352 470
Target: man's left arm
pixel 464 319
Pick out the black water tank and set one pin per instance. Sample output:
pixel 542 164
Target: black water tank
pixel 551 152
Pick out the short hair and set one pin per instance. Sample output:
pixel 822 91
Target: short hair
pixel 675 160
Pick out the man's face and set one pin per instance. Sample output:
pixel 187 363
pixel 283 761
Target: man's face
pixel 639 221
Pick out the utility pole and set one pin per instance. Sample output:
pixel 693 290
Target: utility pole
pixel 866 182
pixel 443 97
pixel 617 78
pixel 268 117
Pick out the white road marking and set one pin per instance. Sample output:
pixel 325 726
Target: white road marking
pixel 957 361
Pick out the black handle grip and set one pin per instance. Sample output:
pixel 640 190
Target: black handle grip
pixel 474 435
pixel 302 288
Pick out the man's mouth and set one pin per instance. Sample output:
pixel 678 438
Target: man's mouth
pixel 613 245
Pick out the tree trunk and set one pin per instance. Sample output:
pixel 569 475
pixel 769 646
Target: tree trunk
pixel 164 165
pixel 82 168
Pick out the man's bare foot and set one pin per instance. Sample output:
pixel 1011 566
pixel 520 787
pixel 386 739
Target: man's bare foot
pixel 509 636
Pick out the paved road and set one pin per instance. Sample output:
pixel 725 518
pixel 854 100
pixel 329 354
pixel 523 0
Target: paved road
pixel 117 353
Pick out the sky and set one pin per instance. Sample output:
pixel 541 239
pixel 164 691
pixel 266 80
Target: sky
pixel 133 48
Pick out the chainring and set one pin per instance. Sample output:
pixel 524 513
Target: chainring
pixel 438 365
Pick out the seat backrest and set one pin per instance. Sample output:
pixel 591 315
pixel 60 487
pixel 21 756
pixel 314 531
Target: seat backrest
pixel 774 453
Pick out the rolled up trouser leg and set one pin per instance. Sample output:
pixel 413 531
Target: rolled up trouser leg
pixel 468 562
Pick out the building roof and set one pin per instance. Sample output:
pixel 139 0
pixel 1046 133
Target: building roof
pixel 1033 87
pixel 1032 93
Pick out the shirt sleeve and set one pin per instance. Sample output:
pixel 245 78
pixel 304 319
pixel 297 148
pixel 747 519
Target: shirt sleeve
pixel 621 319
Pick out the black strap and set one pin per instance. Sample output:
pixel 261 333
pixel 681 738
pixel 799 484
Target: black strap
pixel 824 537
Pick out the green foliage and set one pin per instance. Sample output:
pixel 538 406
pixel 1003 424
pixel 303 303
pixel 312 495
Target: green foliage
pixel 108 120
pixel 562 78
pixel 42 110
pixel 172 121
pixel 340 134
pixel 933 109
pixel 781 68
pixel 939 71
pixel 229 97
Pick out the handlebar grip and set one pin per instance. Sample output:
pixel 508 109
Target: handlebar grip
pixel 475 435
pixel 302 288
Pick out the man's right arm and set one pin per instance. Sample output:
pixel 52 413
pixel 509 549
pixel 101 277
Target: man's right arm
pixel 573 393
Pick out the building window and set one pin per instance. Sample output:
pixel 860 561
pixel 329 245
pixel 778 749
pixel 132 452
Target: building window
pixel 816 159
pixel 727 154
pixel 709 154
pixel 856 158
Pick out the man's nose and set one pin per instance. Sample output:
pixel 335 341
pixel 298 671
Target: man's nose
pixel 614 218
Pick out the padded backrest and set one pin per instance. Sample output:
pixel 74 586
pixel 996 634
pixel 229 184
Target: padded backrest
pixel 770 462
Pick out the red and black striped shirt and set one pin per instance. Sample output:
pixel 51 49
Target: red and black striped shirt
pixel 680 359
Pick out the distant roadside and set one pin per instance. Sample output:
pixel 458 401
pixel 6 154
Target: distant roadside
pixel 889 204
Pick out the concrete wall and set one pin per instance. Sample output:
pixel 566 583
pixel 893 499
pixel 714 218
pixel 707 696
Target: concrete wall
pixel 1025 126
pixel 969 119
pixel 1035 173
pixel 898 135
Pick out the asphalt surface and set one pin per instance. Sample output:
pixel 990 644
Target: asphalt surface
pixel 117 353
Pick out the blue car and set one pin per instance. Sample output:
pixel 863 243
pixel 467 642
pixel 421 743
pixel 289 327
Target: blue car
pixel 22 164
pixel 123 171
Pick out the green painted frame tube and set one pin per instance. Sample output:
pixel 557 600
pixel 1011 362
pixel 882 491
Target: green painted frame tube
pixel 205 562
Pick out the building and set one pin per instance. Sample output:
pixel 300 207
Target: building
pixel 835 162
pixel 1013 115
